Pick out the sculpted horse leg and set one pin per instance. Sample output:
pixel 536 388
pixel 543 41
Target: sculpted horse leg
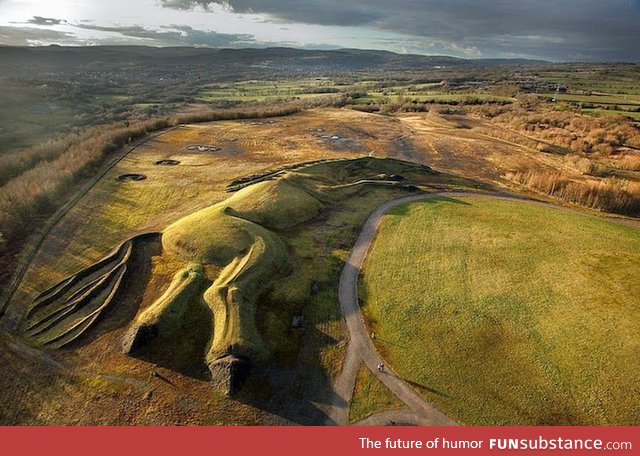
pixel 236 342
pixel 166 315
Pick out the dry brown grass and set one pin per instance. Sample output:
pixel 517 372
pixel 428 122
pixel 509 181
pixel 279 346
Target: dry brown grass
pixel 630 162
pixel 40 189
pixel 38 179
pixel 13 165
pixel 611 195
pixel 566 129
pixel 585 165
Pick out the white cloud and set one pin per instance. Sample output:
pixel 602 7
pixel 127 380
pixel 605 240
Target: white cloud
pixel 465 28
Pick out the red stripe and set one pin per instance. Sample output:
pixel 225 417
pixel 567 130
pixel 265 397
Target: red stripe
pixel 305 441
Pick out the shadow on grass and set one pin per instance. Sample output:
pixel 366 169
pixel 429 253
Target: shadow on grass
pixel 404 208
pixel 422 387
pixel 296 390
pixel 163 378
pixel 184 350
pixel 388 342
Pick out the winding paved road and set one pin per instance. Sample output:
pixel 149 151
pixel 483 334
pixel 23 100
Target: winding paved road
pixel 360 348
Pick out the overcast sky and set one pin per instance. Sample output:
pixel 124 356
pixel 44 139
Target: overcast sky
pixel 553 30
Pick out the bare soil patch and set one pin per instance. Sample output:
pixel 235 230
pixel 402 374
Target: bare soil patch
pixel 203 148
pixel 131 177
pixel 168 162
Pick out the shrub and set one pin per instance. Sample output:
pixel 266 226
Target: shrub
pixel 603 136
pixel 14 164
pixel 611 195
pixel 630 162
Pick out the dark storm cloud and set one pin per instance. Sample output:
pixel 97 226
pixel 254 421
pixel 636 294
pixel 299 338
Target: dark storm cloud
pixel 560 29
pixel 203 38
pixel 325 12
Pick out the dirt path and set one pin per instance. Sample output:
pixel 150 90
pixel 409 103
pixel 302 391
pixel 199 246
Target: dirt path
pixel 361 348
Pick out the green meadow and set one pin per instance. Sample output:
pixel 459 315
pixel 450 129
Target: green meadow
pixel 505 312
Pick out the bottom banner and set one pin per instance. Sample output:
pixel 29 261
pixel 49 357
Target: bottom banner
pixel 158 441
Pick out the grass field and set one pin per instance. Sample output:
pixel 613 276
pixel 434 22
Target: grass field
pixel 27 117
pixel 370 396
pixel 512 313
pixel 612 112
pixel 362 92
pixel 622 81
pixel 623 100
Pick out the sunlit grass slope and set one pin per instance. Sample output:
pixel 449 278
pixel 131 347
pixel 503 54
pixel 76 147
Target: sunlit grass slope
pixel 512 312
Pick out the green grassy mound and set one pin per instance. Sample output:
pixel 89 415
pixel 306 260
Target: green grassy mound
pixel 233 296
pixel 243 234
pixel 509 312
pixel 234 234
pixel 274 204
pixel 211 236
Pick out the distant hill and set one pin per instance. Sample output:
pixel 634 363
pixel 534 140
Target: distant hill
pixel 284 59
